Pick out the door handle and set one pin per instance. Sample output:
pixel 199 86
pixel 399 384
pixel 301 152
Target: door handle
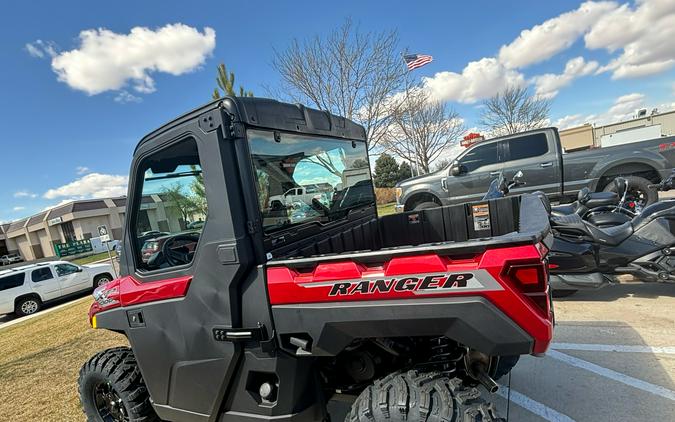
pixel 549 164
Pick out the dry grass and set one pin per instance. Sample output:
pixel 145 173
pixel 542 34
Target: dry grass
pixel 40 360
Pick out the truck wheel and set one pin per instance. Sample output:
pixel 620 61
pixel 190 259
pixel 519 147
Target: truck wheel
pixel 421 396
pixel 638 190
pixel 102 279
pixel 425 205
pixel 112 389
pixel 27 306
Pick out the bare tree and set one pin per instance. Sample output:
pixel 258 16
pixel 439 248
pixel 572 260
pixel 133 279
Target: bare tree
pixel 349 73
pixel 514 111
pixel 422 128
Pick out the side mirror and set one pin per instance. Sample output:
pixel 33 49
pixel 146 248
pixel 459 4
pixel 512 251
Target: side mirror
pixel 456 169
pixel 78 270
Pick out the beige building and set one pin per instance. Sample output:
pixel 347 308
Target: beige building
pixel 34 237
pixel 642 127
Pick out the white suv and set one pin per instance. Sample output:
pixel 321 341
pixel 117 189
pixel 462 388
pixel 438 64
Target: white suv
pixel 23 290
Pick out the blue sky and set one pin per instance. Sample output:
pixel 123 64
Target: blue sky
pixel 71 138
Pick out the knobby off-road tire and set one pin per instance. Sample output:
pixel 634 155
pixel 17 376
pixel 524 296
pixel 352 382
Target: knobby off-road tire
pixel 421 396
pixel 112 376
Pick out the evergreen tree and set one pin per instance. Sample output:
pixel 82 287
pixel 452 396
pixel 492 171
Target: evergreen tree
pixel 404 171
pixel 225 81
pixel 386 171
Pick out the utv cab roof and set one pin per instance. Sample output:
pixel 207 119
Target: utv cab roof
pixel 266 113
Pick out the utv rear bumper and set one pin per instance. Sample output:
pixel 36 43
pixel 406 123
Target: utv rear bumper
pixel 330 327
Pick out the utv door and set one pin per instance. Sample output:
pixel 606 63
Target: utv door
pixel 477 167
pixel 179 175
pixel 533 155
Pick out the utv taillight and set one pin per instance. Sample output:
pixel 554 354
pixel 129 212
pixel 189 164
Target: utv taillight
pixel 532 281
pixel 529 278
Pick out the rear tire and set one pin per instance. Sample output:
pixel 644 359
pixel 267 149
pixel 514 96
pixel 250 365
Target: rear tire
pixel 504 366
pixel 421 396
pixel 111 388
pixel 425 206
pixel 102 279
pixel 27 306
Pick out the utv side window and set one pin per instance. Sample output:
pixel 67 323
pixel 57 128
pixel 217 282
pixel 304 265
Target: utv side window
pixel 171 212
pixel 480 156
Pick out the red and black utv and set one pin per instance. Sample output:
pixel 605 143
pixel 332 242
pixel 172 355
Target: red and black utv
pixel 293 295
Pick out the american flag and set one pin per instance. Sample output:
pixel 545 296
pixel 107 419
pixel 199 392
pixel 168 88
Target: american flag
pixel 413 61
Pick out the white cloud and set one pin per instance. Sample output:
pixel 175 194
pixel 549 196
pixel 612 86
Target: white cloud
pixel 82 170
pixel 622 109
pixel 92 185
pixel 125 96
pixel 480 79
pixel 106 60
pixel 545 40
pixel 18 208
pixel 572 120
pixel 644 34
pixel 24 194
pixel 41 49
pixel 549 84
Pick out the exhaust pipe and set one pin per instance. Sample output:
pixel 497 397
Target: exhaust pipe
pixel 485 379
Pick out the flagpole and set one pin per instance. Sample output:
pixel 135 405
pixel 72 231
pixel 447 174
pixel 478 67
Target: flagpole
pixel 413 164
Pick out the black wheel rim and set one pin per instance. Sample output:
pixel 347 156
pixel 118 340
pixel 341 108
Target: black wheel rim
pixel 108 404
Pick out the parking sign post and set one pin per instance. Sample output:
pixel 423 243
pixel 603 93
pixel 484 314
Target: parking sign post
pixel 105 238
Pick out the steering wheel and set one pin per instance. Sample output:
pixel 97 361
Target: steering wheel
pixel 175 257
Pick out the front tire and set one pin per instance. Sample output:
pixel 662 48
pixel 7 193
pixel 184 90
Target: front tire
pixel 421 396
pixel 112 389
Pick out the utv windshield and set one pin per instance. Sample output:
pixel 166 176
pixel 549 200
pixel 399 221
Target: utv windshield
pixel 302 179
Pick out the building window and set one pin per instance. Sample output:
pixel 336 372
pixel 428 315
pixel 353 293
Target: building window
pixel 68 231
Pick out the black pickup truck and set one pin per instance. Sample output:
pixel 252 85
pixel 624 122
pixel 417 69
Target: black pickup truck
pixel 546 167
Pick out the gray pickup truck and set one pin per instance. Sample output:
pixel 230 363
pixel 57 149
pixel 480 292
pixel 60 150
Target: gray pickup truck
pixel 539 155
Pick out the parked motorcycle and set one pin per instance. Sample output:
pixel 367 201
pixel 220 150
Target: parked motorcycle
pixel 584 256
pixel 608 209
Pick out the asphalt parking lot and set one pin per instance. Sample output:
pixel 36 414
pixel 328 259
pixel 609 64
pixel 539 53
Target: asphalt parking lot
pixel 613 359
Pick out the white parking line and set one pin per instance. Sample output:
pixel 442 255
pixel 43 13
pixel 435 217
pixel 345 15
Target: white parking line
pixel 616 376
pixel 533 406
pixel 668 350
